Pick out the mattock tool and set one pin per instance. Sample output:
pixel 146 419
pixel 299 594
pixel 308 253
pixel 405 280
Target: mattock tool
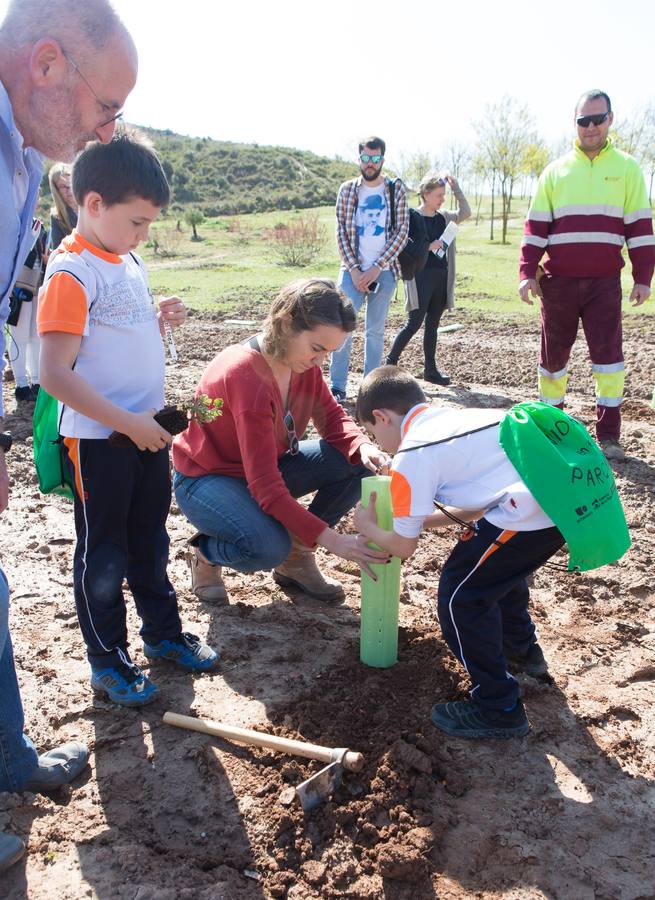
pixel 312 791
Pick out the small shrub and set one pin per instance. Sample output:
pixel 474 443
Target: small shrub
pixel 300 242
pixel 166 240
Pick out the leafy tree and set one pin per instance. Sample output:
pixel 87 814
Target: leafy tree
pixel 535 159
pixel 411 167
pixel 194 217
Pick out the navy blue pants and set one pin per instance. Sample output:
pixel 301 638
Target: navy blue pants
pixel 122 500
pixel 483 604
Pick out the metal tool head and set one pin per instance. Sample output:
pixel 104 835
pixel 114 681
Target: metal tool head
pixel 317 788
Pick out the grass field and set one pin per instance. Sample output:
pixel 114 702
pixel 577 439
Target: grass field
pixel 236 260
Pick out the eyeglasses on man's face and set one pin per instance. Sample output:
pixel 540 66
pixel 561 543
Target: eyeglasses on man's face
pixel 290 426
pixel 374 158
pixel 596 119
pixel 106 108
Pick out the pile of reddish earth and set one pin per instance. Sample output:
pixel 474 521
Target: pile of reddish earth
pixel 166 814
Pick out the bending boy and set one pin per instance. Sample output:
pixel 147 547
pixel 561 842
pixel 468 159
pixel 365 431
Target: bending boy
pixel 102 356
pixel 452 456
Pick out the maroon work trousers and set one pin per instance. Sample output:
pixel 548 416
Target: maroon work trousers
pixel 597 301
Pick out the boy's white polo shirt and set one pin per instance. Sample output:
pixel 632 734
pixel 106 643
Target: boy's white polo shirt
pixel 470 472
pixel 104 298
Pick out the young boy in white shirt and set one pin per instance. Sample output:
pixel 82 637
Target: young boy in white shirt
pixel 102 357
pixel 452 458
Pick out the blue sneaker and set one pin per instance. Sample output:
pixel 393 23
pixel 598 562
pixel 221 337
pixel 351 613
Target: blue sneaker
pixel 186 651
pixel 125 685
pixel 338 394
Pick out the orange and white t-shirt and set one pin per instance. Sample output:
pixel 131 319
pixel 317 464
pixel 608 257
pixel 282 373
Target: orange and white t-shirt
pixel 468 471
pixel 104 298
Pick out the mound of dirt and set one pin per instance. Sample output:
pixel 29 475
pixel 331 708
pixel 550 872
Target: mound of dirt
pixel 166 813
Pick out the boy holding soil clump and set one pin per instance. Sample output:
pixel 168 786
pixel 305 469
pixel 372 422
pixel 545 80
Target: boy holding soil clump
pixel 102 357
pixel 453 456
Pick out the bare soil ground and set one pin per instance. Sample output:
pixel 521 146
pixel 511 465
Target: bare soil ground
pixel 162 813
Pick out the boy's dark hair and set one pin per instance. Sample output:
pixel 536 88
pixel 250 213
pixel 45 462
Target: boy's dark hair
pixel 388 387
pixel 375 143
pixel 125 168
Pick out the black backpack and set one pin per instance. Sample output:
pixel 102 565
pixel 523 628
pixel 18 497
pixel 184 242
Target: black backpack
pixel 414 255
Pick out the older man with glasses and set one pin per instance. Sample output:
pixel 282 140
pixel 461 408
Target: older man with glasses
pixel 65 71
pixel 587 205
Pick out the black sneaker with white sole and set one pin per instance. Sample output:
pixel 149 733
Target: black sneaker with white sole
pixel 466 719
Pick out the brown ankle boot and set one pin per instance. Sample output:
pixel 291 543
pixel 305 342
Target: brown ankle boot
pixel 299 570
pixel 206 579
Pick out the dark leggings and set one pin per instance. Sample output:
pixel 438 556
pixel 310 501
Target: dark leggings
pixel 432 287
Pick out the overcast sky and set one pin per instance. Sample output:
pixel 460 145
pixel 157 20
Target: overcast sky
pixel 311 75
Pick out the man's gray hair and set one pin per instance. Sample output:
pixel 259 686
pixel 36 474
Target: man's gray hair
pixel 27 21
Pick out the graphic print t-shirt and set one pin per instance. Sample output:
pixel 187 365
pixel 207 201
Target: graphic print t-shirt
pixel 105 299
pixel 371 221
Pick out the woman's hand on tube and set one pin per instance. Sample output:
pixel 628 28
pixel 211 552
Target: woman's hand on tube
pixel 436 245
pixel 353 547
pixel 374 459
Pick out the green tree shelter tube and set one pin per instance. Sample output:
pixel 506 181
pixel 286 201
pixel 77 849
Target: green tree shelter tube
pixel 378 642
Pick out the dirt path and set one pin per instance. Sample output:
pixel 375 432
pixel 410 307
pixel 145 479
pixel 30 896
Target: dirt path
pixel 565 813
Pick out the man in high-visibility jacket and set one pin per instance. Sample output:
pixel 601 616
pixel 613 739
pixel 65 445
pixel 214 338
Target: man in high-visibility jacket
pixel 588 203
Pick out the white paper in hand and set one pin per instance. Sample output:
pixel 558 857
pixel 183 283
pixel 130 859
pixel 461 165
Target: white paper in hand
pixel 448 236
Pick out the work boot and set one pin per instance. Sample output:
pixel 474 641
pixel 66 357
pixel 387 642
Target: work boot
pixel 612 450
pixel 57 767
pixel 299 570
pixel 436 377
pixel 206 578
pixel 11 850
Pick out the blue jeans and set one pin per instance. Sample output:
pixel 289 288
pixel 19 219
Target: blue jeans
pixel 377 307
pixel 236 532
pixel 18 758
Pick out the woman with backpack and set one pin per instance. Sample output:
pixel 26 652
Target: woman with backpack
pixel 433 288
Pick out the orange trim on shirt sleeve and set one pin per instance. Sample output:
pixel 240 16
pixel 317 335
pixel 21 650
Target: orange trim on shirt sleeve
pixel 62 305
pixel 401 495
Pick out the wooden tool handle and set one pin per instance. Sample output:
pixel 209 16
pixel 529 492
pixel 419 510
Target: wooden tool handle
pixel 351 761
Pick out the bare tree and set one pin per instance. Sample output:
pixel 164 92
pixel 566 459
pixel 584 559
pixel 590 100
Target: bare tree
pixel 480 171
pixel 636 135
pixel 504 132
pixel 457 158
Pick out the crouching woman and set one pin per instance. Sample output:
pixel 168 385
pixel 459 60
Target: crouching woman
pixel 238 478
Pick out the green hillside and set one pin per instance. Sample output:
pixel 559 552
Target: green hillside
pixel 222 178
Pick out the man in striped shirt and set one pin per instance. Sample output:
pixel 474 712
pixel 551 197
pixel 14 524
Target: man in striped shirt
pixel 588 203
pixel 372 229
